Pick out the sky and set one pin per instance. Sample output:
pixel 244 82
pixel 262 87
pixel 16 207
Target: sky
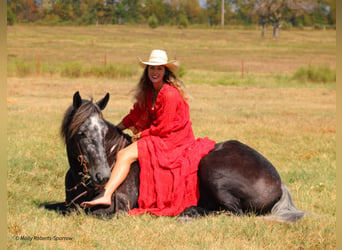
pixel 202 2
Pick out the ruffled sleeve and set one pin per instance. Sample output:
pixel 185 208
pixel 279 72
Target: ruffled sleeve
pixel 138 118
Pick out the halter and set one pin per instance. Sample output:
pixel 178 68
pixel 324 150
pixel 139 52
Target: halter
pixel 84 174
pixel 81 159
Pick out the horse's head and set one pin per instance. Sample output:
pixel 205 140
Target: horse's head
pixel 84 130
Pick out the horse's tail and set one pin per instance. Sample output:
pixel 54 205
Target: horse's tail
pixel 285 210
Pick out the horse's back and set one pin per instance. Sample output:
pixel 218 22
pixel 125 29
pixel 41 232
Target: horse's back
pixel 237 178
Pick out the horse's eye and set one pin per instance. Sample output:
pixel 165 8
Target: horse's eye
pixel 80 133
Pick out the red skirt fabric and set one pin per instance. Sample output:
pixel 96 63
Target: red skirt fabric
pixel 169 183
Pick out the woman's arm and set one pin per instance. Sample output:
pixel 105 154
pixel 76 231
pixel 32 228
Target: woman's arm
pixel 137 120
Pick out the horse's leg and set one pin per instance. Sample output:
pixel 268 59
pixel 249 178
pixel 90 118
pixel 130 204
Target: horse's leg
pixel 69 184
pixel 227 202
pixel 58 207
pixel 214 196
pixel 205 206
pixel 192 212
pixel 219 195
pixel 221 187
pixel 104 211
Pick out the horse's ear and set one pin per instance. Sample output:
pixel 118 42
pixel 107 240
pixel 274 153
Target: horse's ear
pixel 103 102
pixel 77 100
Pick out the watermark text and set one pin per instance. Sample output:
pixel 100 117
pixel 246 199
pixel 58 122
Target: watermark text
pixel 42 238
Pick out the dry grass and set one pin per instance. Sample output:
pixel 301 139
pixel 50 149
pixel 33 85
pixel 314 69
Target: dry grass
pixel 293 127
pixel 219 50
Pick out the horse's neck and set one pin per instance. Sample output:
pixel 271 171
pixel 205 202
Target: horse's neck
pixel 114 141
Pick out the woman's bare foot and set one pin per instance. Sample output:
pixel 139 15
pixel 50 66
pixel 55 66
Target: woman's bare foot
pixel 101 199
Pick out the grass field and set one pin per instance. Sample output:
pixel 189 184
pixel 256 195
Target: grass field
pixel 293 124
pixel 216 50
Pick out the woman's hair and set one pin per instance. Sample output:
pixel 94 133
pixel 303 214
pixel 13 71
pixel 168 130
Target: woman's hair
pixel 145 85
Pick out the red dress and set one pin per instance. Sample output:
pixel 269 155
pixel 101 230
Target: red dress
pixel 168 154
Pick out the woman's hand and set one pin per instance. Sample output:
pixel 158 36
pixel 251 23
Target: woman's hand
pixel 134 130
pixel 136 137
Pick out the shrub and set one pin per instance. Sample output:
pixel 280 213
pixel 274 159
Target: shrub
pixel 72 70
pixel 120 71
pixel 286 26
pixel 153 21
pixel 49 69
pixel 110 71
pixel 315 74
pixel 23 68
pixel 11 19
pixel 181 72
pixel 183 22
pixel 318 26
pixel 51 19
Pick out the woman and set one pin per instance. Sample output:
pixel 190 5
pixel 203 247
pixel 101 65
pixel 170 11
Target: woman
pixel 163 142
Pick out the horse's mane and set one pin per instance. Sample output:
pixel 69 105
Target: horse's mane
pixel 115 137
pixel 74 118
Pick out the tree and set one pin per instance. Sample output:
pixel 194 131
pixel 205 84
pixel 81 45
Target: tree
pixel 105 12
pixel 332 11
pixel 172 12
pixel 120 10
pixel 11 19
pixel 156 8
pixel 275 11
pixel 173 8
pixel 26 10
pixel 134 13
pixel 191 9
pixel 214 12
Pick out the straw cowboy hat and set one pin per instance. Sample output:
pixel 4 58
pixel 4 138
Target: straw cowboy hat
pixel 159 57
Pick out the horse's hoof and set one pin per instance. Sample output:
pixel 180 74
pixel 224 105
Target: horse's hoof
pixel 184 219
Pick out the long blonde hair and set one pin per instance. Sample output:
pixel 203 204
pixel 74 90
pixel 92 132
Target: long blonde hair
pixel 145 85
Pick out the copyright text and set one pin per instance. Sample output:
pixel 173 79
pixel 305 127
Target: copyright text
pixel 42 238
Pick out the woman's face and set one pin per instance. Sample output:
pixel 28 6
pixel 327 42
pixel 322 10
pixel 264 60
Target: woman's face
pixel 156 74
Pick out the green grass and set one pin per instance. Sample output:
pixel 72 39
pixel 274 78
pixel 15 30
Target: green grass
pixel 22 68
pixel 295 128
pixel 291 122
pixel 304 76
pixel 320 73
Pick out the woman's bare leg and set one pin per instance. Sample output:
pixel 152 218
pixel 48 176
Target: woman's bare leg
pixel 125 158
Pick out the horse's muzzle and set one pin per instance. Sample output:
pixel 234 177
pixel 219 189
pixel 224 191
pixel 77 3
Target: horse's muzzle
pixel 101 179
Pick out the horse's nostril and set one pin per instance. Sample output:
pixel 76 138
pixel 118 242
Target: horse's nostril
pixel 100 179
pixel 105 180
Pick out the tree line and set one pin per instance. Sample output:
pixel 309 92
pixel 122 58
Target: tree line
pixel 296 13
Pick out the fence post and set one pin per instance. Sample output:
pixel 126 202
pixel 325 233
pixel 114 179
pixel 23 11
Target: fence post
pixel 105 60
pixel 38 64
pixel 242 68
